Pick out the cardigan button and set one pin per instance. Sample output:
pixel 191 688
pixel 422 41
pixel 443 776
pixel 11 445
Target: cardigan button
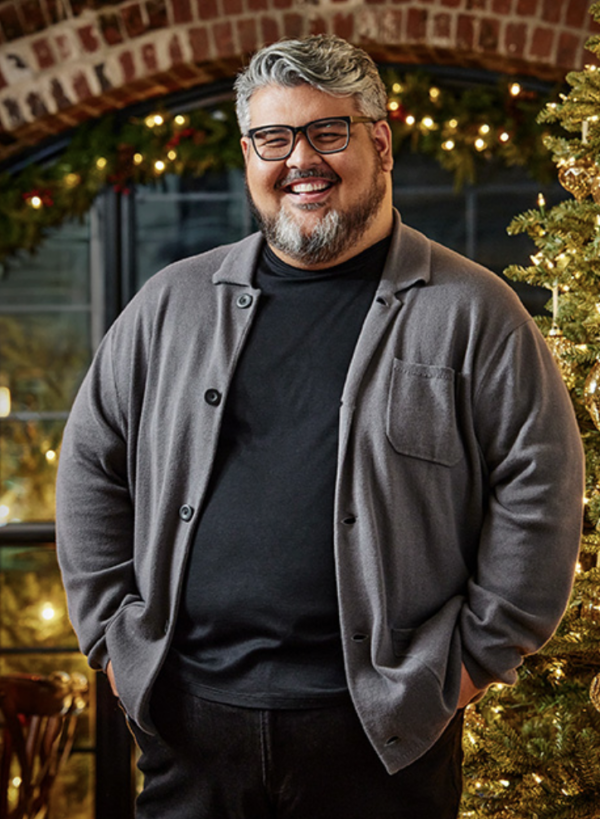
pixel 186 512
pixel 212 397
pixel 243 301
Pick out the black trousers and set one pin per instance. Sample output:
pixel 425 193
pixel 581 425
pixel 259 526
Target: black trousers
pixel 214 761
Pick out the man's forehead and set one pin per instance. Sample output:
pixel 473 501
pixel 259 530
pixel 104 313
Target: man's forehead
pixel 296 105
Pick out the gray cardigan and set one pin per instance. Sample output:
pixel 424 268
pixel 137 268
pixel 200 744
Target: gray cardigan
pixel 458 493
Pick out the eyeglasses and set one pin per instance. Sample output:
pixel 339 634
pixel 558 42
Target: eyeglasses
pixel 327 136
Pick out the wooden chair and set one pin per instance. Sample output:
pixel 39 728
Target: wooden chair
pixel 38 717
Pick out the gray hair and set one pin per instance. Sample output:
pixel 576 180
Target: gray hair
pixel 325 62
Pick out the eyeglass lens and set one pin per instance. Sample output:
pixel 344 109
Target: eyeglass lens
pixel 326 136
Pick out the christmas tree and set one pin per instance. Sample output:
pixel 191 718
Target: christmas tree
pixel 533 751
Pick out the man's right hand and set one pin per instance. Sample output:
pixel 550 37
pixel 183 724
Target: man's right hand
pixel 111 678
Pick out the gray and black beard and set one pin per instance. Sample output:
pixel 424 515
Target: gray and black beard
pixel 331 236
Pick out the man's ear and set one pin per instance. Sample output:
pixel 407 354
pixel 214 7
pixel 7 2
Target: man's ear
pixel 382 139
pixel 246 145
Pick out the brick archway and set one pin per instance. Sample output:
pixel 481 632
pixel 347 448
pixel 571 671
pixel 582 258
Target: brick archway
pixel 65 61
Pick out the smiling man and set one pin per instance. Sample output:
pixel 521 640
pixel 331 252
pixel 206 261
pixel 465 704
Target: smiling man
pixel 320 488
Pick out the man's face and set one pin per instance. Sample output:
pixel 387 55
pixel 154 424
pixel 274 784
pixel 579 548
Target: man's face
pixel 319 209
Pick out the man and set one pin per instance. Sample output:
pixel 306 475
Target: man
pixel 320 488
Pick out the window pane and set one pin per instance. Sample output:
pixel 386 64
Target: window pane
pixel 28 461
pixel 58 273
pixel 188 216
pixel 33 608
pixel 43 357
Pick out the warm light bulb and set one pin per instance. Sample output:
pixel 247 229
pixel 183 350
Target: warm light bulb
pixel 397 88
pixel 72 179
pixel 48 612
pixel 448 145
pixel 453 123
pixel 36 202
pixel 50 455
pixel 159 166
pixel 393 105
pixel 541 200
pixel 4 402
pixel 138 159
pixel 172 155
pixel 515 89
pixel 101 163
pixel 428 122
pixel 480 144
pixel 484 129
pixel 180 119
pixel 434 93
pixel 410 120
pixel 504 136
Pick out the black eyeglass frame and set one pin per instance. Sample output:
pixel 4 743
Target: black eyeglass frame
pixel 303 129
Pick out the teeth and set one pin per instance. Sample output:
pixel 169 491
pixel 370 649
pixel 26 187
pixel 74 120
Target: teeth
pixel 308 187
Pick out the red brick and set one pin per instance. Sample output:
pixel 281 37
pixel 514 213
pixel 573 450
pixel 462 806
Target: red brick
pixel 175 50
pixel 223 34
pixel 54 10
pixel 577 12
pixel 501 6
pixel 43 53
pixel 10 22
pixel 343 25
pixel 442 24
pixel 109 23
pixel 36 105
pixel 416 25
pixel 88 36
pixel 451 3
pixel 527 7
pixel 64 47
pixel 182 11
pixel 149 57
pixel 293 25
pixel 318 26
pixel 14 111
pixel 515 38
pixel 127 66
pixel 247 36
pixel 232 7
pixel 207 9
pixel 551 11
pixel 157 14
pixel 270 30
pixel 81 86
pixel 541 43
pixel 568 50
pixel 465 33
pixel 258 5
pixel 33 16
pixel 134 22
pixel 477 5
pixel 282 4
pixel 59 95
pixel 199 44
pixel 489 31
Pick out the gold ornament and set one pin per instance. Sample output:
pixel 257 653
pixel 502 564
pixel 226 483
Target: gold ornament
pixel 560 347
pixel 577 177
pixel 595 692
pixel 591 393
pixel 595 189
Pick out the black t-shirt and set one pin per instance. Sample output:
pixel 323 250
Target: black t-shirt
pixel 258 622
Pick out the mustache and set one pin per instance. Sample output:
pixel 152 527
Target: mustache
pixel 309 173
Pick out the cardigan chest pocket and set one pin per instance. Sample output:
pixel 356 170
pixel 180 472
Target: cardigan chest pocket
pixel 421 413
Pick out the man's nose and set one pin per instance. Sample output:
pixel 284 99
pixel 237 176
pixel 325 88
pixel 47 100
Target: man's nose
pixel 303 154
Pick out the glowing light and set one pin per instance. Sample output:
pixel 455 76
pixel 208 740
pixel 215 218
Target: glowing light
pixel 159 166
pixel 138 159
pixel 50 455
pixel 36 202
pixel 453 123
pixel 428 122
pixel 172 155
pixel 434 93
pixel 153 120
pixel 504 136
pixel 410 120
pixel 515 89
pixel 505 783
pixel 101 163
pixel 4 512
pixel 578 568
pixel 538 779
pixel 48 612
pixel 480 144
pixel 484 129
pixel 448 145
pixel 393 105
pixel 72 179
pixel 16 782
pixel 180 119
pixel 541 200
pixel 397 88
pixel 4 402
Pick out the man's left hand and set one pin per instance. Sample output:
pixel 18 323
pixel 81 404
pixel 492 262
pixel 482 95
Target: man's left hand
pixel 468 689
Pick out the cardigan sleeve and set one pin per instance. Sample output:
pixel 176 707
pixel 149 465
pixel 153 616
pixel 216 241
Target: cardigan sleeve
pixel 94 509
pixel 530 538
